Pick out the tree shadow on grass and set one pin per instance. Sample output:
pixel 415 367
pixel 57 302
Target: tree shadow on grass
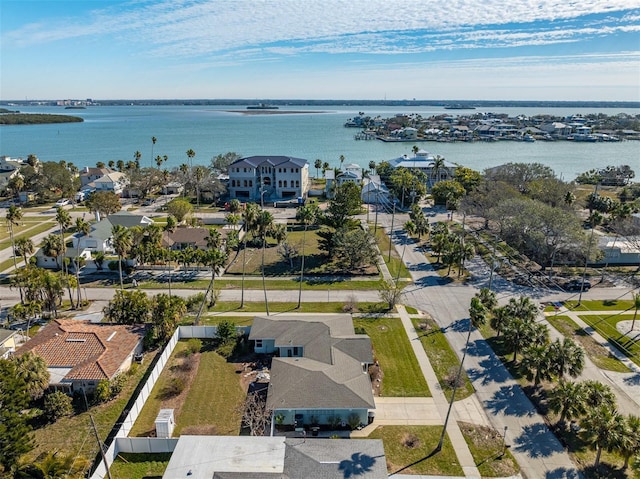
pixel 537 441
pixel 563 473
pixel 408 466
pixel 510 401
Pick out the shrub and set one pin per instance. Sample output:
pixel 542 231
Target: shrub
pixel 194 301
pixel 226 349
pixel 194 345
pixel 353 420
pixel 116 385
pixel 103 391
pixel 226 332
pixel 57 405
pixel 351 306
pixel 334 421
pixel 411 441
pixel 175 387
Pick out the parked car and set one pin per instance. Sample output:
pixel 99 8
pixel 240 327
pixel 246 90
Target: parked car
pixel 147 202
pixel 62 202
pixel 577 284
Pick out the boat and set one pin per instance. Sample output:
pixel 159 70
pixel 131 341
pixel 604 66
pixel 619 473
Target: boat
pixel 262 106
pixel 459 106
pixel 75 108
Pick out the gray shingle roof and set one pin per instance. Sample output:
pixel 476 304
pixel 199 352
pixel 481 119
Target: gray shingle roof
pixel 255 161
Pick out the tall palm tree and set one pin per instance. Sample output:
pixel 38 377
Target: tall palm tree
pixel 317 164
pixel 122 243
pixel 308 215
pixel 372 165
pixel 190 155
pixel 82 229
pixel 536 363
pixel 341 161
pixel 24 247
pixel 597 394
pixel 153 142
pixel 64 221
pixel 264 228
pixel 33 370
pixel 13 217
pixel 567 398
pixel 488 298
pixel 438 166
pixel 249 218
pixel 603 427
pixel 52 246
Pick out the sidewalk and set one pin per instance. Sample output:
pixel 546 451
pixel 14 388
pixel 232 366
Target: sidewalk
pixel 455 436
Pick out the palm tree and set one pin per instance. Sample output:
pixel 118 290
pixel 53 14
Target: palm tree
pixel 436 168
pixel 232 219
pixel 249 218
pixel 636 306
pixel 372 165
pixel 279 232
pixel 488 298
pixel 136 157
pixel 629 444
pixel 33 370
pixel 477 312
pixel 13 217
pixel 566 357
pixel 415 150
pixel 307 215
pixel 536 363
pixel 82 229
pixel 24 247
pixel 567 399
pixel 264 228
pixel 120 165
pixel 52 246
pixel 153 142
pixel 603 427
pixel 597 394
pixel 122 243
pixel 317 164
pixel 214 240
pixel 190 155
pixel 64 221
pixel 341 161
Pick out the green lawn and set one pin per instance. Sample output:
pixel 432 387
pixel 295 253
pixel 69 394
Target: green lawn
pixel 27 229
pixel 402 376
pixel 252 282
pixel 210 399
pixel 604 305
pixel 408 450
pixel 606 326
pixel 305 307
pixel 443 359
pixel 73 435
pixel 488 451
pixel 598 354
pixel 395 264
pixel 139 466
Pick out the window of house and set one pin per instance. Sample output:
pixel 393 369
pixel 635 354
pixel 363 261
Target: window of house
pixel 245 170
pixel 297 183
pixel 279 183
pixel 250 183
pixel 258 343
pixel 297 170
pixel 285 183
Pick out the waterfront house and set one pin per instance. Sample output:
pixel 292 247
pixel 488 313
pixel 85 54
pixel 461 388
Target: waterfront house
pixel 184 237
pixel 319 372
pixel 90 174
pixel 79 354
pixel 268 178
pixel 374 191
pixel 5 177
pixel 556 129
pixel 351 173
pixel 426 162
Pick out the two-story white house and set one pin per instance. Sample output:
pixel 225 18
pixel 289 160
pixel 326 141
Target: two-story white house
pixel 270 177
pixel 115 182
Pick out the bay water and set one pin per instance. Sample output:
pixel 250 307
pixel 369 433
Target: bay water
pixel 117 132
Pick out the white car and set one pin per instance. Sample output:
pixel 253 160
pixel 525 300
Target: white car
pixel 62 202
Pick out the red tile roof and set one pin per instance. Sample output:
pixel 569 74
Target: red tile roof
pixel 92 351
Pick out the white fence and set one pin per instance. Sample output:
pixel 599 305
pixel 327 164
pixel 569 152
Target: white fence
pixel 183 332
pixel 145 445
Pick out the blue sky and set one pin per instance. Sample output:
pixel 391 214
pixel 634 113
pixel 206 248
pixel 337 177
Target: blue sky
pixel 329 49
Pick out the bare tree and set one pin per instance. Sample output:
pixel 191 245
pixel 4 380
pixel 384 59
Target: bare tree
pixel 255 415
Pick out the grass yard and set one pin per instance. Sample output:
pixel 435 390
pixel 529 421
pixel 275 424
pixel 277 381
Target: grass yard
pixel 604 305
pixel 253 282
pixel 395 264
pixel 409 450
pixel 26 229
pixel 488 451
pixel 443 359
pixel 598 354
pixel 207 401
pixel 605 325
pixel 305 307
pixel 139 466
pixel 81 442
pixel 401 373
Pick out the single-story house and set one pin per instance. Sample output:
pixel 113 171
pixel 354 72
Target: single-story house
pixel 250 457
pixel 8 342
pixel 319 374
pixel 620 250
pixel 172 188
pixel 49 262
pixel 184 237
pixel 79 354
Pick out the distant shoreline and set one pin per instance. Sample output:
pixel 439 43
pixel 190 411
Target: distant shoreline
pixel 274 112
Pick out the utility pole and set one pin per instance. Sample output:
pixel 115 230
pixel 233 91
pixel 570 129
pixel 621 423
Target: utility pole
pixel 393 215
pixel 104 458
pixel 586 259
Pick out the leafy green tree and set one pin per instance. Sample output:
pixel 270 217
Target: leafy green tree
pixel 54 465
pixel 15 431
pixel 220 164
pixel 468 178
pixel 519 175
pixel 308 215
pixel 407 185
pixel 56 405
pixel 179 208
pixel 448 193
pixel 346 203
pixel 103 202
pixel 33 370
pixel 602 428
pixel 226 331
pixel 354 248
pixel 567 398
pixel 128 307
